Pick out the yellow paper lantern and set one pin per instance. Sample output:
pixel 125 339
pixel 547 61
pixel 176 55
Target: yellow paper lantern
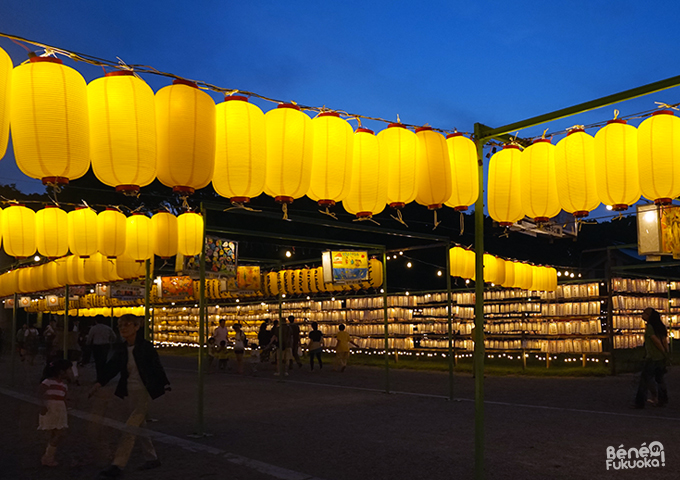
pixel 510 281
pixel 460 265
pixel 331 159
pixel 551 279
pixel 312 280
pixel 51 231
pixel 190 233
pixel 164 228
pixel 111 224
pixel 75 270
pixel 368 191
pixel 398 147
pixel 505 194
pixel 138 237
pixel 50 276
pixel 541 278
pixel 62 271
pixel 494 269
pixel 433 169
pixel 616 169
pixel 5 92
pixel 241 150
pixel 524 275
pixel 185 121
pixel 49 121
pixel 25 280
pixel 109 268
pixel 122 131
pixel 318 279
pixel 575 173
pixel 127 267
pixel 289 153
pixel 659 157
pixel 271 283
pixel 464 172
pixel 18 231
pixel 375 272
pixel 297 281
pixel 11 282
pixel 82 231
pixel 538 184
pixel 305 285
pixel 37 280
pixel 93 269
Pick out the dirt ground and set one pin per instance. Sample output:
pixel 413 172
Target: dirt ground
pixel 331 425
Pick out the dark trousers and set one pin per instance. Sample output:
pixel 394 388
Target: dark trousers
pixel 652 378
pixel 100 354
pixel 315 353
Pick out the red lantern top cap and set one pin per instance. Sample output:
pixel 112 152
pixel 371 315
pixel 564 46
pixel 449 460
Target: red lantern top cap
pixel 180 81
pixel 456 134
pixel 51 206
pixel 365 130
pixel 396 125
pixel 111 209
pixel 120 73
pixel 288 105
pixel 240 98
pixel 46 59
pixel 510 145
pixel 423 129
pixel 663 112
pixel 329 114
pixel 617 120
pixel 541 140
pixel 575 130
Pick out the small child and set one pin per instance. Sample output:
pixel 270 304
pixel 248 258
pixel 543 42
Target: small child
pixel 212 349
pixel 221 353
pixel 53 417
pixel 254 360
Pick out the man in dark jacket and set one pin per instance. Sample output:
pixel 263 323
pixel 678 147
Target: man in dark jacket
pixel 142 378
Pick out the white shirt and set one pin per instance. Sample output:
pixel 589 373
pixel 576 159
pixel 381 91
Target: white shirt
pixel 100 334
pixel 134 381
pixel 220 334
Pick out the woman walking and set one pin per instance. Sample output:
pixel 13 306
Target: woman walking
pixel 656 359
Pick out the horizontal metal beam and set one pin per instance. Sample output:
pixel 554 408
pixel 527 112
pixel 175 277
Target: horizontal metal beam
pixel 646 265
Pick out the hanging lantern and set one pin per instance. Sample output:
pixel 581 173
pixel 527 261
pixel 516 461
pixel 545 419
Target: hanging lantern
pixel 464 171
pixel 127 267
pixel 111 225
pixel 185 122
pixel 368 191
pixel 433 169
pixel 62 271
pixel 494 269
pixel 331 159
pixel 82 231
pixel 50 276
pixel 471 258
pixel 289 153
pixel 375 272
pixel 18 231
pixel 312 281
pixel 398 147
pixel 616 170
pixel 551 279
pixel 138 237
pixel 297 281
pixel 541 278
pixel 75 270
pixel 318 279
pixel 505 193
pixel 37 281
pixel 49 121
pixel 25 280
pixel 460 265
pixel 538 185
pixel 190 234
pixel 108 268
pixel 164 228
pixel 122 113
pixel 5 92
pixel 524 275
pixel 51 231
pixel 93 269
pixel 271 283
pixel 240 151
pixel 510 281
pixel 659 157
pixel 575 173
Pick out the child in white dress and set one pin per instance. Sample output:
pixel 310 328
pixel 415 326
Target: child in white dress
pixel 53 417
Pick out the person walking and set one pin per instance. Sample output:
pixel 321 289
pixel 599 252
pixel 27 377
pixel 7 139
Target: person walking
pixel 99 339
pixel 315 346
pixel 53 417
pixel 240 344
pixel 31 343
pixel 142 379
pixel 342 342
pixel 20 339
pixel 49 335
pixel 655 363
pixel 221 333
pixel 294 342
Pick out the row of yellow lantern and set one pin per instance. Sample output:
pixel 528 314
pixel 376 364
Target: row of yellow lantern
pixel 53 233
pixel 178 135
pixel 506 273
pixel 70 270
pixel 616 167
pixel 310 280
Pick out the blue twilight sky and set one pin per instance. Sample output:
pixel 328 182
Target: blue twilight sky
pixel 447 64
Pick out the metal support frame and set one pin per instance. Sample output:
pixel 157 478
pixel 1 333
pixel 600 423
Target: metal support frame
pixel 14 337
pixel 147 297
pixel 65 337
pixel 200 424
pixel 387 326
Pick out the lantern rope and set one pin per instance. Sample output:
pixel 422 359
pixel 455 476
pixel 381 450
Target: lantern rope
pixel 329 213
pixel 436 223
pixel 240 206
pixel 284 207
pixel 399 218
pixel 462 223
pixel 366 219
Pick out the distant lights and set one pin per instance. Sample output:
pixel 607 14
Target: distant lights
pixel 439 273
pixel 288 254
pixel 409 265
pixel 401 253
pixel 610 208
pixel 237 300
pixel 36 258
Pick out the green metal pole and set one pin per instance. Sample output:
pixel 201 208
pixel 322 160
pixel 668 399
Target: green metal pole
pixel 201 332
pixel 14 336
pixel 147 297
pixel 153 318
pixel 450 318
pixel 280 368
pixel 387 326
pixel 478 365
pixel 65 342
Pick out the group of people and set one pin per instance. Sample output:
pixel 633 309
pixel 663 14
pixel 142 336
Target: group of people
pixel 284 339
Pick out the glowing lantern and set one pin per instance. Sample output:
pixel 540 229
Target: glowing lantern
pixel 289 153
pixel 49 121
pixel 82 231
pixel 36 278
pixel 551 279
pixel 11 282
pixel 297 281
pixel 616 169
pixel 5 90
pixel 271 283
pixel 510 281
pixel 312 281
pixel 18 231
pixel 538 185
pixel 93 269
pixel 318 279
pixel 305 284
pixel 331 159
pixel 190 233
pixel 51 231
pixel 505 193
pixel 165 234
pixel 127 267
pixel 111 225
pixel 122 131
pixel 138 237
pixel 459 263
pixel 398 147
pixel 575 173
pixel 240 151
pixel 50 276
pixel 24 280
pixel 75 270
pixel 185 120
pixel 433 169
pixel 464 171
pixel 368 191
pixel 524 275
pixel 494 269
pixel 659 157
pixel 375 272
pixel 62 271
